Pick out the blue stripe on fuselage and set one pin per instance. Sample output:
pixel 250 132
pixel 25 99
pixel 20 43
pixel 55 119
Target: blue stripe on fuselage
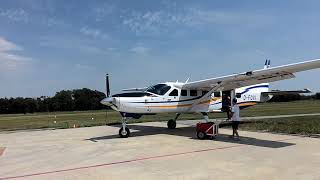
pixel 254 87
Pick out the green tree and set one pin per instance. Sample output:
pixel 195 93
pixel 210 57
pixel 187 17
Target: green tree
pixel 86 99
pixel 63 101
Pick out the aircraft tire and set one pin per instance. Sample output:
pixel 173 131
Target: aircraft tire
pixel 124 133
pixel 171 124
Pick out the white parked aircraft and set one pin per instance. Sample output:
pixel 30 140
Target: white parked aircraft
pixel 202 96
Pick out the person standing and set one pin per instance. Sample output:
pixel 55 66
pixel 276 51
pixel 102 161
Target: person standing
pixel 235 118
pixel 226 105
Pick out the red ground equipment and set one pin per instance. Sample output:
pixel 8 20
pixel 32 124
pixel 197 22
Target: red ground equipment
pixel 207 129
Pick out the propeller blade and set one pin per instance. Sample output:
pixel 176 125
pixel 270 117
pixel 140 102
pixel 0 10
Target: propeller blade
pixel 107 86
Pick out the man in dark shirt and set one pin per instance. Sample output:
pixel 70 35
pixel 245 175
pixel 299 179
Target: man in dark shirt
pixel 226 105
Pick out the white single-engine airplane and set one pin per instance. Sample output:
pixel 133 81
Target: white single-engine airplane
pixel 202 96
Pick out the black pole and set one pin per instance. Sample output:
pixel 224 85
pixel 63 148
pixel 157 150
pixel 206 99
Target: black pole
pixel 107 86
pixel 107 94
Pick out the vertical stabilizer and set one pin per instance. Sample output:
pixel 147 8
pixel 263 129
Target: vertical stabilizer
pixel 267 64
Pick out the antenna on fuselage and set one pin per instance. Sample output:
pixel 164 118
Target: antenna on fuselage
pixel 187 80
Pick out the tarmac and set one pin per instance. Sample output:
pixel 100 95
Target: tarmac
pixel 155 152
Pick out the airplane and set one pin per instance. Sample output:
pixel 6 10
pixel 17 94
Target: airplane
pixel 203 96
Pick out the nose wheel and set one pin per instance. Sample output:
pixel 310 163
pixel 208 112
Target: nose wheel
pixel 124 133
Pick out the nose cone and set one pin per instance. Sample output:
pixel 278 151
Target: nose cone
pixel 107 101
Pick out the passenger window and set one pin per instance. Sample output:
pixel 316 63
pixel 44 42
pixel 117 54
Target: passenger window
pixel 184 93
pixel 217 94
pixel 174 92
pixel 204 92
pixel 193 93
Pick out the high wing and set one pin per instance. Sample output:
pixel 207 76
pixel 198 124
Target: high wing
pixel 135 89
pixel 253 77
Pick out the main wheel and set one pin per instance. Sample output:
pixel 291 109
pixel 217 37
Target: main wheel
pixel 124 133
pixel 172 124
pixel 201 135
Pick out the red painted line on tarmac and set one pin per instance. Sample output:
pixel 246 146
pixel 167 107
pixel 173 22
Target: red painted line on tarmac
pixel 132 160
pixel 2 150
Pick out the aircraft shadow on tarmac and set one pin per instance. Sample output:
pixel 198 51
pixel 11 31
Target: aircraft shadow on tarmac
pixel 143 130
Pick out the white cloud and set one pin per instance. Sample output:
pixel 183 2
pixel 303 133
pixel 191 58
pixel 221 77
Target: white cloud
pixel 9 60
pixel 156 22
pixel 75 44
pixel 139 50
pixel 53 22
pixel 21 15
pixel 111 49
pixel 103 11
pixel 83 67
pixel 95 33
pixel 141 23
pixel 18 15
pixel 208 17
pixel 8 46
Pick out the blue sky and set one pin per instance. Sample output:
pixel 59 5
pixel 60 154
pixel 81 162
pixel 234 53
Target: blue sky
pixel 50 45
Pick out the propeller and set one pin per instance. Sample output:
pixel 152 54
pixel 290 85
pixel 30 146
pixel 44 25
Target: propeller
pixel 107 86
pixel 108 100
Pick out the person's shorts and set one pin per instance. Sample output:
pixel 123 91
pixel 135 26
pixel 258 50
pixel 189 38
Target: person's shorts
pixel 235 124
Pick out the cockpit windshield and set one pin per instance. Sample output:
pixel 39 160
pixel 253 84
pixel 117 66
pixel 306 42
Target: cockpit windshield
pixel 159 89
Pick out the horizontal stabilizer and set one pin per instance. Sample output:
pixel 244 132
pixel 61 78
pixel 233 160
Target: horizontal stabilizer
pixel 276 92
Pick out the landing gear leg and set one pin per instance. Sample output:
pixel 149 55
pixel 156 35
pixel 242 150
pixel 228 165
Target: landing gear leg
pixel 124 132
pixel 172 122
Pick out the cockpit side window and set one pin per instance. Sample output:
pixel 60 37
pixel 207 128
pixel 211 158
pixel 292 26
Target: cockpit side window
pixel 184 92
pixel 217 94
pixel 193 93
pixel 204 92
pixel 159 89
pixel 174 92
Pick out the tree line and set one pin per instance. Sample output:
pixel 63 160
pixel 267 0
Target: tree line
pixel 65 100
pixel 294 97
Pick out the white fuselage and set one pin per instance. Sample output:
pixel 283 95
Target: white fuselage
pixel 183 101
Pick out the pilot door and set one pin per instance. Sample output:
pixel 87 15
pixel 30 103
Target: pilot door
pixel 147 101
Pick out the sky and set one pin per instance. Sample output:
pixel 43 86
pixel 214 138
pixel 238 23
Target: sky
pixel 51 45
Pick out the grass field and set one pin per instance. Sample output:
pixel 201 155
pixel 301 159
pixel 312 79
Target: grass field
pixel 308 125
pixel 94 118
